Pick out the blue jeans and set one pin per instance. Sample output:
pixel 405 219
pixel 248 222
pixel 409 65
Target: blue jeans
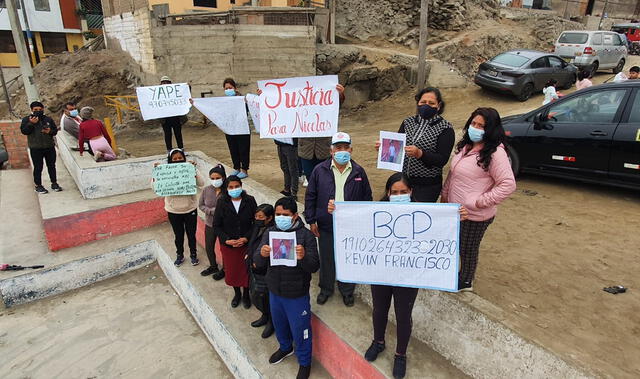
pixel 292 322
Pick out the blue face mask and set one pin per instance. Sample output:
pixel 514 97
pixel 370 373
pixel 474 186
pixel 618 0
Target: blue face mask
pixel 342 157
pixel 284 222
pixel 235 193
pixel 403 198
pixel 230 92
pixel 475 134
pixel 73 113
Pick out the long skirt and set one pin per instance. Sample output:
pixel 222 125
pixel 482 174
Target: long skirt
pixel 236 273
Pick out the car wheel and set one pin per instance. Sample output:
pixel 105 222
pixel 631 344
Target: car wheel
pixel 514 160
pixel 569 84
pixel 526 92
pixel 594 67
pixel 619 67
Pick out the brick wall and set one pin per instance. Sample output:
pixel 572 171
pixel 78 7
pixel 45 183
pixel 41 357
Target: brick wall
pixel 15 143
pixel 130 32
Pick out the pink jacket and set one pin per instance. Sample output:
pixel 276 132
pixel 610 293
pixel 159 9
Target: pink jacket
pixel 477 190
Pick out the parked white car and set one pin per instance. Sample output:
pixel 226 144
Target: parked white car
pixel 592 50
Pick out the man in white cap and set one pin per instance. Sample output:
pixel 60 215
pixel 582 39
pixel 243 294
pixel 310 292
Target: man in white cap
pixel 171 124
pixel 336 179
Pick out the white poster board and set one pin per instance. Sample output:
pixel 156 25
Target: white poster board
pixel 397 244
pixel 227 112
pixel 391 152
pixel 283 249
pixel 299 107
pixel 253 102
pixel 165 100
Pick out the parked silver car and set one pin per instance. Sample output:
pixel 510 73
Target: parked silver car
pixel 592 50
pixel 523 72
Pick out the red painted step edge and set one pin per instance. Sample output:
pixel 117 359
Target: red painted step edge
pixel 337 357
pixel 80 228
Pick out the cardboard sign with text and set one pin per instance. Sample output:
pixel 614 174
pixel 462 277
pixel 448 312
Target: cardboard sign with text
pixel 227 112
pixel 173 179
pixel 397 244
pixel 299 107
pixel 165 100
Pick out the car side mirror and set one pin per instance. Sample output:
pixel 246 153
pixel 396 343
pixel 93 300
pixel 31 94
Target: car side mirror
pixel 541 122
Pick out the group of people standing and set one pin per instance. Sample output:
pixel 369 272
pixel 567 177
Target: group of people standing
pixel 41 131
pixel 479 179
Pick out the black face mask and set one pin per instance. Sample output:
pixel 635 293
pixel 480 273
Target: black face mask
pixel 259 223
pixel 38 113
pixel 177 161
pixel 427 111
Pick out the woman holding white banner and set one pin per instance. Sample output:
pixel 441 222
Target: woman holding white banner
pixel 239 145
pixel 480 178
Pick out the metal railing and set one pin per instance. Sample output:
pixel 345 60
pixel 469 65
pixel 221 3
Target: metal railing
pixel 122 103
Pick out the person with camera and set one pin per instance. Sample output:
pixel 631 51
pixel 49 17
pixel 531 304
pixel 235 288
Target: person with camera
pixel 40 131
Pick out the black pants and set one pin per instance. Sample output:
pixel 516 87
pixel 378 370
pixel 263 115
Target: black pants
pixel 181 222
pixel 471 233
pixel 37 157
pixel 403 300
pixel 176 127
pixel 239 148
pixel 426 193
pixel 210 245
pixel 328 267
pixel 288 155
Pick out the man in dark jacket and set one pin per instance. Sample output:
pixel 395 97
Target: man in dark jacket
pixel 40 130
pixel 339 179
pixel 289 287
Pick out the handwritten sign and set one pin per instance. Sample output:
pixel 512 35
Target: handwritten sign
pixel 283 249
pixel 397 244
pixel 173 179
pixel 391 151
pixel 164 100
pixel 253 103
pixel 227 112
pixel 299 107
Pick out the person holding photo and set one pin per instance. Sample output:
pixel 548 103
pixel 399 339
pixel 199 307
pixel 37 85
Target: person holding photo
pixel 258 286
pixel 397 190
pixel 207 204
pixel 183 214
pixel 289 287
pixel 430 139
pixel 480 178
pixel 233 223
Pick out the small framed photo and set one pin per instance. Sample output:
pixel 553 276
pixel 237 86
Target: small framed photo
pixel 391 152
pixel 283 249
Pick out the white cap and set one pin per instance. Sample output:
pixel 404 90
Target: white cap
pixel 341 137
pixel 165 79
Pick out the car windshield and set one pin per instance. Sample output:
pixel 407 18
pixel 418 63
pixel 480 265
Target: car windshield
pixel 512 60
pixel 574 38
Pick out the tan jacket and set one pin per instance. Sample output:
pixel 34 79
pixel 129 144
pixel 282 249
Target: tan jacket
pixel 182 204
pixel 320 147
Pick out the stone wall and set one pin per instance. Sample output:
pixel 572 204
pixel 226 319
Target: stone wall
pixel 391 18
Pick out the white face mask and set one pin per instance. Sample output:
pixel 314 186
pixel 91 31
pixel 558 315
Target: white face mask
pixel 216 183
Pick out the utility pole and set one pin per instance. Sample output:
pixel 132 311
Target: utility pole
pixel 30 37
pixel 332 21
pixel 604 10
pixel 422 49
pixel 30 86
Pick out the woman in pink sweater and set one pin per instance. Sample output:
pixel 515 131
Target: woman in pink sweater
pixel 479 179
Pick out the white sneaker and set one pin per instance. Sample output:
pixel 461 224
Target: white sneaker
pixel 305 183
pixel 97 155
